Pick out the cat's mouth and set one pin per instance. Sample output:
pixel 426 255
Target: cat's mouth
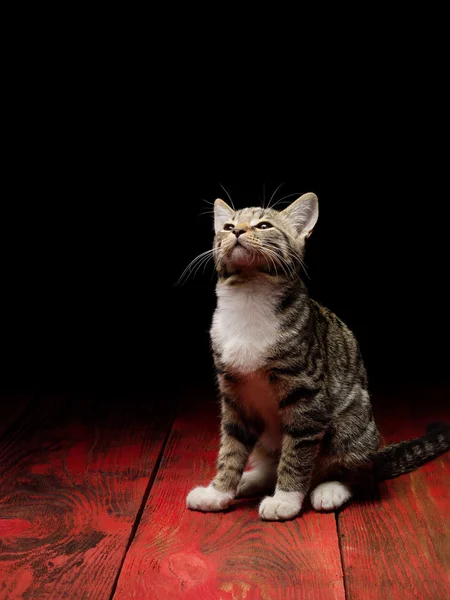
pixel 241 256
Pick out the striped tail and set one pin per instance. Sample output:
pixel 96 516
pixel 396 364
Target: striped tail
pixel 397 459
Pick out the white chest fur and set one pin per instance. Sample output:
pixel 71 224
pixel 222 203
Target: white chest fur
pixel 245 324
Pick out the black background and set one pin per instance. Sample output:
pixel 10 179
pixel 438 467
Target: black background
pixel 110 146
pixel 94 241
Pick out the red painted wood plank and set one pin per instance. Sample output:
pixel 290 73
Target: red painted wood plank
pixel 73 484
pixel 398 546
pixel 177 553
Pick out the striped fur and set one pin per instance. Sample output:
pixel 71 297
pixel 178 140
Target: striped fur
pixel 292 381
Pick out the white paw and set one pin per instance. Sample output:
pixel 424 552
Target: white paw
pixel 208 499
pixel 281 506
pixel 330 495
pixel 255 483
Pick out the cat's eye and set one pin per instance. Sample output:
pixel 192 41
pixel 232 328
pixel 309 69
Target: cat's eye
pixel 228 227
pixel 264 225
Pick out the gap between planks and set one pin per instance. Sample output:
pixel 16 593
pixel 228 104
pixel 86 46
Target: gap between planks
pixel 143 502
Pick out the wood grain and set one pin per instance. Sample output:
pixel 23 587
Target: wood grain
pixel 177 553
pixel 397 546
pixel 74 473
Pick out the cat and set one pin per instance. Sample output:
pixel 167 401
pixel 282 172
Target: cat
pixel 293 386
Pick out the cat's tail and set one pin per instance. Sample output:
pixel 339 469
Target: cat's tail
pixel 407 456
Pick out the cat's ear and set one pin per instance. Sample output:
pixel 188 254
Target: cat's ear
pixel 222 214
pixel 303 214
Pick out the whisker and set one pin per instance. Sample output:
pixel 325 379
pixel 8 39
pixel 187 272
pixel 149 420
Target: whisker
pixel 284 198
pixel 273 195
pixel 253 258
pixel 205 260
pixel 229 197
pixel 294 254
pixel 287 268
pixel 291 267
pixel 303 264
pixel 187 271
pixel 205 263
pixel 267 256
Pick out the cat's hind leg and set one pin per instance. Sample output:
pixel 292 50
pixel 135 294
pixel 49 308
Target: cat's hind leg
pixel 330 495
pixel 262 478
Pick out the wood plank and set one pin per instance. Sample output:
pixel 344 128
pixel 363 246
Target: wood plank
pixel 73 482
pixel 397 546
pixel 177 553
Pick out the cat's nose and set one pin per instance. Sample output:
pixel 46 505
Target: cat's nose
pixel 237 232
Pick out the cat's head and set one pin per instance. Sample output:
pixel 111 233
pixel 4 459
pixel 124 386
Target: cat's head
pixel 259 239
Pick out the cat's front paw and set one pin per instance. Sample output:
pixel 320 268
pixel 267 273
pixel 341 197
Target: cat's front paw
pixel 208 499
pixel 281 506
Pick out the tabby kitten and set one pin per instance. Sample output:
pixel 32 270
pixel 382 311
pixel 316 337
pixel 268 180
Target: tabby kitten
pixel 292 381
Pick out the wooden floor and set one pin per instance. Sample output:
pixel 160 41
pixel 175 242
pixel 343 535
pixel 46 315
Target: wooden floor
pixel 92 505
